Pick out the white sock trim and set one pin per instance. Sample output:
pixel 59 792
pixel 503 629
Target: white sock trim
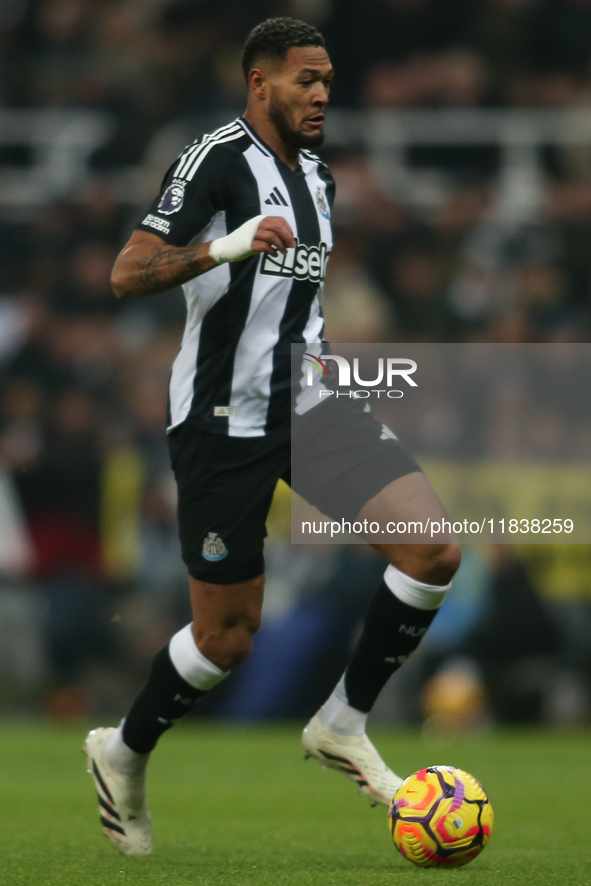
pixel 415 593
pixel 191 664
pixel 122 758
pixel 338 716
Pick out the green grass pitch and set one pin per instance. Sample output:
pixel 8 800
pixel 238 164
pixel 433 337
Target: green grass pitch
pixel 240 807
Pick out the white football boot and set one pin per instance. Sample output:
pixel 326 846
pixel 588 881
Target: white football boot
pixel 355 756
pixel 123 809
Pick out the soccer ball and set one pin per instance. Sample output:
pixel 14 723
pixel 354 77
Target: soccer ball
pixel 440 817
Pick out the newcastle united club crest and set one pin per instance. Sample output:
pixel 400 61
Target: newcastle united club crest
pixel 213 548
pixel 322 203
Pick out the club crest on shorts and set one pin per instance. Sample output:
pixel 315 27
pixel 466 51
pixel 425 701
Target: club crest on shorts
pixel 322 203
pixel 213 548
pixel 172 198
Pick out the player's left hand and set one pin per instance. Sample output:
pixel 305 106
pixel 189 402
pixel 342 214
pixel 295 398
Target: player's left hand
pixel 273 235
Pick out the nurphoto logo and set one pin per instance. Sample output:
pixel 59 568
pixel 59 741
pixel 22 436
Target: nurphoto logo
pixel 389 371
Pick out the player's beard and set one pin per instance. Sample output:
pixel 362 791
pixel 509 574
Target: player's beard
pixel 295 138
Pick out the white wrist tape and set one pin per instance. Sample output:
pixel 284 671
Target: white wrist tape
pixel 238 244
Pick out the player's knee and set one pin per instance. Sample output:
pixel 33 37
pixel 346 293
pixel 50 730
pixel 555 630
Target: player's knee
pixel 433 564
pixel 225 619
pixel 227 649
pixel 240 645
pixel 441 563
pixel 239 648
pixel 228 644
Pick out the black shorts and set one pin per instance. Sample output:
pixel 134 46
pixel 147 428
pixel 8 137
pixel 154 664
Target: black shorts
pixel 226 484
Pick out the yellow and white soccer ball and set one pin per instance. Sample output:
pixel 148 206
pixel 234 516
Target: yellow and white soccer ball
pixel 440 817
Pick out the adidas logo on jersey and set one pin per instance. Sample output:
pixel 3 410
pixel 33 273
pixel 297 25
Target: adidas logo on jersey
pixel 302 262
pixel 276 198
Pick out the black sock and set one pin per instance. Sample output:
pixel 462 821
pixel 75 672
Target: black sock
pixel 391 631
pixel 166 697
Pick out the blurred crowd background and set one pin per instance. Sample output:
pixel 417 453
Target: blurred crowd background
pixel 461 146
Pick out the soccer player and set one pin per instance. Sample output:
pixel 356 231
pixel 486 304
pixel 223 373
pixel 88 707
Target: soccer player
pixel 243 223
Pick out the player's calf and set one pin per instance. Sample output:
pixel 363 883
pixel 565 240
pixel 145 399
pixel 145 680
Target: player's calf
pixel 117 758
pixel 399 615
pixel 225 618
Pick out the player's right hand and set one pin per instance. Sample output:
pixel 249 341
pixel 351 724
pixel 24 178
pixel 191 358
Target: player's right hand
pixel 273 235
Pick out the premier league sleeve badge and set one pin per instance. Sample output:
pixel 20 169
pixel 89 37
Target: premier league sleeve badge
pixel 172 199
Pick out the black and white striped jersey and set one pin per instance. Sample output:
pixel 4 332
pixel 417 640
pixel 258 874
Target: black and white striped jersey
pixel 232 374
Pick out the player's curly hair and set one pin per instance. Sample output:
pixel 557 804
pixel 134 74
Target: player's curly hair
pixel 274 37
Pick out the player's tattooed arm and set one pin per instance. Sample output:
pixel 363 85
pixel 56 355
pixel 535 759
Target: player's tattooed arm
pixel 148 265
pixel 168 266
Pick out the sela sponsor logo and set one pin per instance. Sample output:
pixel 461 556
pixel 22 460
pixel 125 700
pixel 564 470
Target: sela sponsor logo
pixel 389 371
pixel 223 411
pixel 172 199
pixel 213 548
pixel 160 224
pixel 301 262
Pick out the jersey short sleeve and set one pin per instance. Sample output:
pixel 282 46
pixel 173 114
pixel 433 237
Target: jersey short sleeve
pixel 195 188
